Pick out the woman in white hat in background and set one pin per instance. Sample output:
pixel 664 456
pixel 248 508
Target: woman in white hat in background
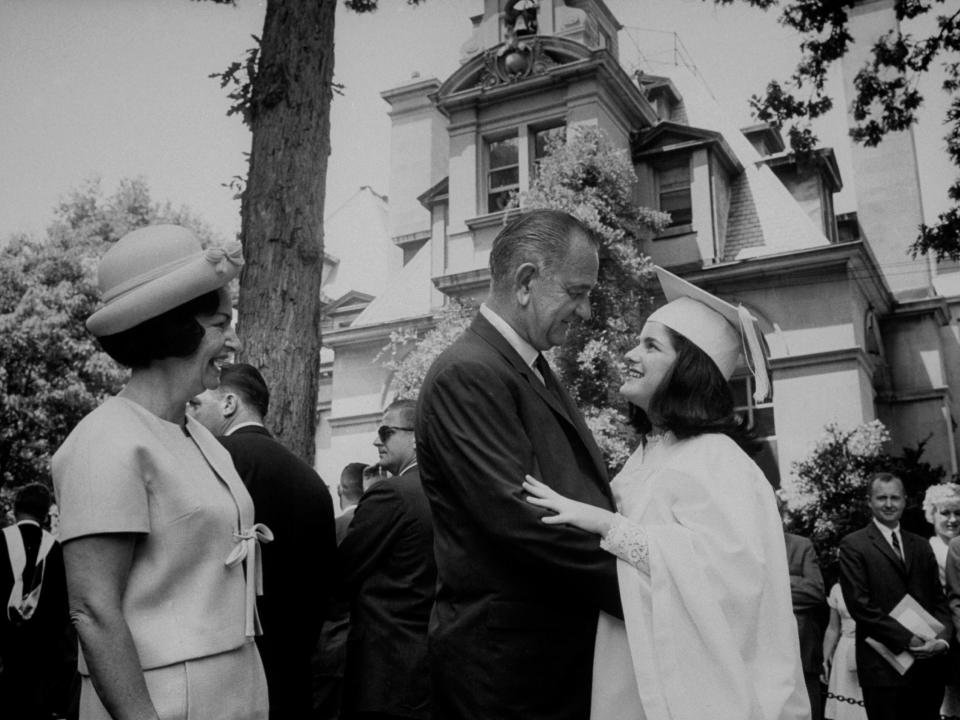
pixel 157 529
pixel 708 629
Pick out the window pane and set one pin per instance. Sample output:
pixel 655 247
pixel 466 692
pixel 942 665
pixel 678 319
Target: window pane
pixel 541 139
pixel 739 387
pixel 504 152
pixel 498 201
pixel 677 203
pixel 763 422
pixel 674 172
pixel 508 177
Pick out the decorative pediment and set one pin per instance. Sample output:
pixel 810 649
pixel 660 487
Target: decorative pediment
pixel 435 194
pixel 351 301
pixel 668 137
pixel 514 62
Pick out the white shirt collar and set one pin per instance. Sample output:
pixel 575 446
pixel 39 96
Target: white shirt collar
pixel 249 423
pixel 524 349
pixel 28 521
pixel 411 464
pixel 888 532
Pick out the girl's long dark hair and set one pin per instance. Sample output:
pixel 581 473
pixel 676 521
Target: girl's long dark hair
pixel 694 398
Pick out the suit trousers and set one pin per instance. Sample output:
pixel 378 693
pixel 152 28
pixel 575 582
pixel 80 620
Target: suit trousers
pixel 918 700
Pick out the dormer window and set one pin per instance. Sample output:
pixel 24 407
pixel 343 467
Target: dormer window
pixel 673 190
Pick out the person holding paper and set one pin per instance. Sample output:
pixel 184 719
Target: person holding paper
pixel 891 585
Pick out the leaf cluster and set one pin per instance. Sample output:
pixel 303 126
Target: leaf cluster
pixel 52 372
pixel 887 93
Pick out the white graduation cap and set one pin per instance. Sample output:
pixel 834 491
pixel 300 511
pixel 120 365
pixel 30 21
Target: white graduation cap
pixel 715 326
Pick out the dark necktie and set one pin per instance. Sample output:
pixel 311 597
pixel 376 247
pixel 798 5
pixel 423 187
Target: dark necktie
pixel 896 545
pixel 543 367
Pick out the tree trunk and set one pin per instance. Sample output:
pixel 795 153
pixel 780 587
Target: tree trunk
pixel 282 213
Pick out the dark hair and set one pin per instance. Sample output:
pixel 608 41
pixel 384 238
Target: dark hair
pixel 694 398
pixel 406 408
pixel 351 480
pixel 248 383
pixel 538 236
pixel 33 499
pixel 883 477
pixel 175 333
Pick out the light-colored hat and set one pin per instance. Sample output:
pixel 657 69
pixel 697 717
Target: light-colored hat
pixel 154 269
pixel 718 328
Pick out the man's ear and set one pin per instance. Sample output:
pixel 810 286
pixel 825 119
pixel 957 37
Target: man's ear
pixel 229 404
pixel 522 281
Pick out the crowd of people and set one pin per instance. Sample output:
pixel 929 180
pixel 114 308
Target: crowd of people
pixel 485 566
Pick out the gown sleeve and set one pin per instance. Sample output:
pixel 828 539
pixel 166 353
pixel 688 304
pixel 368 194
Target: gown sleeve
pixel 628 541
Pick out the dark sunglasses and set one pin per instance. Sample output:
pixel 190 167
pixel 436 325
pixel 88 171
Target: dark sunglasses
pixel 385 432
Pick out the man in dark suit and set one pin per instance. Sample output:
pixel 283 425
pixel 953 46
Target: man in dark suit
pixel 390 575
pixel 809 604
pixel 331 654
pixel 37 643
pixel 513 629
pixel 879 565
pixel 298 565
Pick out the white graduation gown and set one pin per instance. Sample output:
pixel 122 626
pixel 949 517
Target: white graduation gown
pixel 710 632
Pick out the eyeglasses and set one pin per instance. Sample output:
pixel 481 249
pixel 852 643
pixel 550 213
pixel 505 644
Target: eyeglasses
pixel 385 432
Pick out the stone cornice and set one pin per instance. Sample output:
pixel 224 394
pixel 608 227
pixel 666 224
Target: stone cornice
pixel 840 356
pixel 853 258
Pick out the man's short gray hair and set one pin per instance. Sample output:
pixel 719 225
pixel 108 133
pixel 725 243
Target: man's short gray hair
pixel 541 237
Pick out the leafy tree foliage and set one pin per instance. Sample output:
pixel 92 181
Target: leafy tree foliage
pixel 52 372
pixel 828 498
pixel 887 96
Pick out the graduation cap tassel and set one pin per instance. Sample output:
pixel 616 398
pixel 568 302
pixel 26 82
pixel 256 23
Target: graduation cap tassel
pixel 753 354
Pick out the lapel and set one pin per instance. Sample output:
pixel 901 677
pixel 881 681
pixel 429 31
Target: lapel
pixel 563 406
pixel 218 458
pixel 880 542
pixel 487 332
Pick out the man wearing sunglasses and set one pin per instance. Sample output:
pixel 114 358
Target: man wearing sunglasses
pixel 389 574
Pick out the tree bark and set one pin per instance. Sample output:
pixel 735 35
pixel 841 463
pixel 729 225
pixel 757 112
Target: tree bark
pixel 282 213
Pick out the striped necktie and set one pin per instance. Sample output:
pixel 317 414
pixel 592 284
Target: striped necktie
pixel 896 545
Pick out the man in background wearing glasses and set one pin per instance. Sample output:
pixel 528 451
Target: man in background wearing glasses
pixel 389 574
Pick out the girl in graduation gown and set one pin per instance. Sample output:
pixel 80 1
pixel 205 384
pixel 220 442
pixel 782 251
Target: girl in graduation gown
pixel 708 627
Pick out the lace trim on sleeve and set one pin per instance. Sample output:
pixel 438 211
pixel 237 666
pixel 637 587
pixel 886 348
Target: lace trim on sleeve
pixel 628 541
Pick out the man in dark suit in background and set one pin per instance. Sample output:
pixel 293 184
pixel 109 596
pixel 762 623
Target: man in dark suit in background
pixel 290 499
pixel 331 654
pixel 879 565
pixel 37 644
pixel 809 605
pixel 513 629
pixel 390 576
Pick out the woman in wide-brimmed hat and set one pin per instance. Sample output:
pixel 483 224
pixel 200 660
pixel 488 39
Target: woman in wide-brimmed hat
pixel 158 535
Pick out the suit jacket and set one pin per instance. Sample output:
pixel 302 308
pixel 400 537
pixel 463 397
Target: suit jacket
pixel 37 657
pixel 517 604
pixel 390 574
pixel 809 599
pixel 873 580
pixel 298 566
